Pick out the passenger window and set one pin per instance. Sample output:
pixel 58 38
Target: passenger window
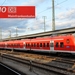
pixel 18 44
pixel 28 44
pixel 44 44
pixel 34 45
pixel 61 44
pixel 14 44
pixel 37 44
pixel 47 44
pixel 40 44
pixel 57 44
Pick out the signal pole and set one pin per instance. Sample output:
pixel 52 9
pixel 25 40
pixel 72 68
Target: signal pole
pixel 9 34
pixel 44 23
pixel 53 16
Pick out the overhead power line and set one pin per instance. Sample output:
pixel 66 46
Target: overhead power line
pixel 3 2
pixel 61 2
pixel 51 6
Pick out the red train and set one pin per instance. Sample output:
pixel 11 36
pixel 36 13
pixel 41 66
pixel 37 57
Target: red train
pixel 65 43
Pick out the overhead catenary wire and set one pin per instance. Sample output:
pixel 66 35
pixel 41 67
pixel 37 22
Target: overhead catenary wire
pixel 51 6
pixel 3 2
pixel 41 11
pixel 48 9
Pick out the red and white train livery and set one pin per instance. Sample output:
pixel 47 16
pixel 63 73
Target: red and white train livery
pixel 65 43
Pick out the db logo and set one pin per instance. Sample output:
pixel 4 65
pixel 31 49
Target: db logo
pixel 12 9
pixel 3 9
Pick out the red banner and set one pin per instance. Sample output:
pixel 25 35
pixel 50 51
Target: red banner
pixel 17 11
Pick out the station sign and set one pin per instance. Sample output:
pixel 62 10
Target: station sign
pixel 17 11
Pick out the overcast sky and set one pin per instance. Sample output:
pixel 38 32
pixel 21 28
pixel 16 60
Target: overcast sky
pixel 64 17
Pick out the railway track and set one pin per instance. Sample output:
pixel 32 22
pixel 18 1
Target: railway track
pixel 54 66
pixel 5 70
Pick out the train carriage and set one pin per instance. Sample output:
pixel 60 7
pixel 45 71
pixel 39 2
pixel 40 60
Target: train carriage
pixel 27 44
pixel 2 45
pixel 65 43
pixel 8 44
pixel 40 44
pixel 18 45
pixel 54 44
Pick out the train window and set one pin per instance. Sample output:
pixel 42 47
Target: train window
pixel 37 44
pixel 28 44
pixel 14 44
pixel 34 45
pixel 57 44
pixel 47 44
pixel 40 44
pixel 44 44
pixel 61 44
pixel 18 45
pixel 11 45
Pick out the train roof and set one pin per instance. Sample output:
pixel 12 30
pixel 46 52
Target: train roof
pixel 53 37
pixel 41 38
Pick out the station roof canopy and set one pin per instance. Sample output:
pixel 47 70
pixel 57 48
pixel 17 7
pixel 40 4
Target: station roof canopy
pixel 42 34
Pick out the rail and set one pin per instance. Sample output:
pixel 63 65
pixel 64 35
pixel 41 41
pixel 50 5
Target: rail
pixel 49 67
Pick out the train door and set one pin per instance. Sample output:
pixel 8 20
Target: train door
pixel 51 45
